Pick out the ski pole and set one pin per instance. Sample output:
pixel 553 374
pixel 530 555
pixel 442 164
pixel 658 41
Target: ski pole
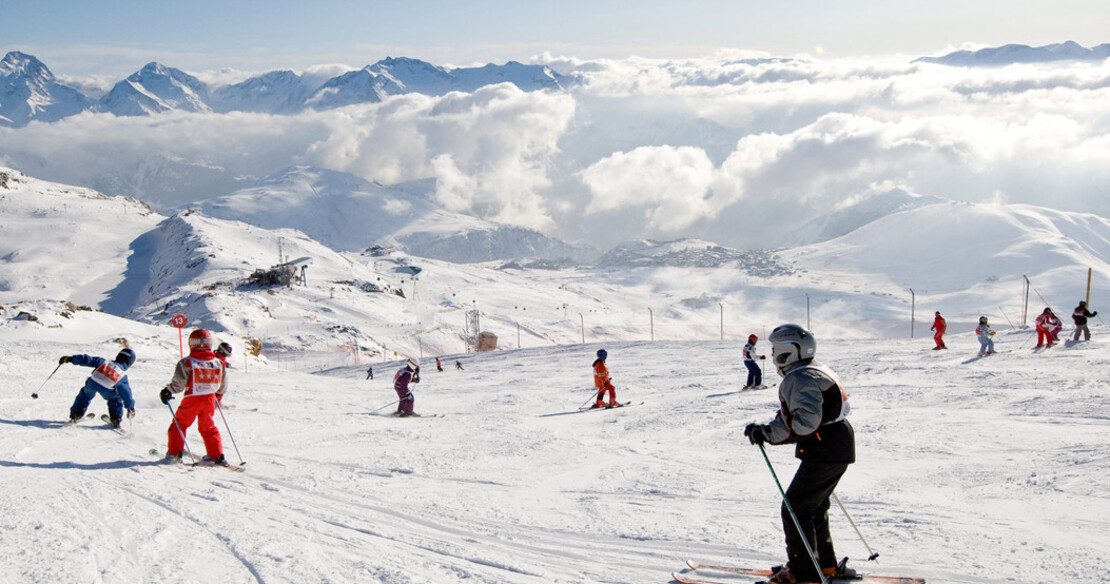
pixel 392 403
pixel 592 397
pixel 874 554
pixel 229 435
pixel 35 395
pixel 173 416
pixel 794 516
pixel 1006 317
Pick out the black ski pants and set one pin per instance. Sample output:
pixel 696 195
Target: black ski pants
pixel 809 495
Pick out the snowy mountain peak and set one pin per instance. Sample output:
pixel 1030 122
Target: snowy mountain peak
pixel 156 88
pixel 1015 53
pixel 17 63
pixel 29 92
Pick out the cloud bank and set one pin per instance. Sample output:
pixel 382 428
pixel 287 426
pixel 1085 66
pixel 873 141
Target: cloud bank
pixel 740 148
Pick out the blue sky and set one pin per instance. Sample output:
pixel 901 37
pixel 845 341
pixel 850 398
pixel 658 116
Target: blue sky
pixel 116 37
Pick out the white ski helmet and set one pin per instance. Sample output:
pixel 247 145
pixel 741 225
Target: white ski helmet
pixel 791 343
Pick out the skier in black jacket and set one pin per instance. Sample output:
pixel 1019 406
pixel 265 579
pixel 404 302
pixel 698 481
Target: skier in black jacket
pixel 813 417
pixel 1080 316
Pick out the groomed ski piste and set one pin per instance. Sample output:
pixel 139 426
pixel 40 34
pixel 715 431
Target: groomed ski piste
pixel 970 470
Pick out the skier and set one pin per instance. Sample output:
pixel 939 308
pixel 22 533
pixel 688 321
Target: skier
pixel 109 379
pixel 755 374
pixel 203 378
pixel 458 365
pixel 939 325
pixel 370 373
pixel 986 340
pixel 603 383
pixel 1048 328
pixel 439 365
pixel 410 373
pixel 1080 316
pixel 812 416
pixel 223 351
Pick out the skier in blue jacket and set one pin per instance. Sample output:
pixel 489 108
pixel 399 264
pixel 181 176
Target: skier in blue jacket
pixel 109 379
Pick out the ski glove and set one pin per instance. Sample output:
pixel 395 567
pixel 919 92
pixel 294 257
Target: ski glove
pixel 130 414
pixel 165 395
pixel 64 360
pixel 761 357
pixel 756 433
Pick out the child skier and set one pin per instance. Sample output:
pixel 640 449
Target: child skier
pixel 202 376
pixel 1048 327
pixel 109 379
pixel 603 383
pixel 410 373
pixel 755 374
pixel 814 417
pixel 986 342
pixel 1080 316
pixel 939 325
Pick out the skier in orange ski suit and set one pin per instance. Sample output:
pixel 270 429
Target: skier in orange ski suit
pixel 603 383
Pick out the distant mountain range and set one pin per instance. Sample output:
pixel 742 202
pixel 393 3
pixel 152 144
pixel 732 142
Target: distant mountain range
pixel 1010 54
pixel 30 92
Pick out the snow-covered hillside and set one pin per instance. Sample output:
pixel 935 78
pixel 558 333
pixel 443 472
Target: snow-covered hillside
pixel 976 471
pixel 961 259
pixel 71 243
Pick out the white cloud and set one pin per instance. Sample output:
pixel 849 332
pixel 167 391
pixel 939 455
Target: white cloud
pixel 735 147
pixel 667 184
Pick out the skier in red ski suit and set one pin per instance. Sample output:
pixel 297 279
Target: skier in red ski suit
pixel 1048 326
pixel 939 325
pixel 202 376
pixel 603 383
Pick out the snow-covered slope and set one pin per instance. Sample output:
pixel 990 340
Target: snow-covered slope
pixel 858 214
pixel 69 243
pixel 969 471
pixel 964 260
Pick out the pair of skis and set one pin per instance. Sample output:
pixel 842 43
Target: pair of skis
pixel 104 418
pixel 696 575
pixel 204 462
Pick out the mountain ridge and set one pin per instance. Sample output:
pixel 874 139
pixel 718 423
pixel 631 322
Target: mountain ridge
pixel 26 84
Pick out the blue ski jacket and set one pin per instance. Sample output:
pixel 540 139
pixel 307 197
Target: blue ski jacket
pixel 121 387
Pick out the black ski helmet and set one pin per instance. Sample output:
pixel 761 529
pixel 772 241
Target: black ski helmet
pixel 126 357
pixel 982 320
pixel 602 354
pixel 224 349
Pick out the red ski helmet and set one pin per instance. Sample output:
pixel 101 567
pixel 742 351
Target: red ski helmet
pixel 200 340
pixel 752 338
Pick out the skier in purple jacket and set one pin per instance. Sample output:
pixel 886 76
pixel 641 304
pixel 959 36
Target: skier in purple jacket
pixel 410 373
